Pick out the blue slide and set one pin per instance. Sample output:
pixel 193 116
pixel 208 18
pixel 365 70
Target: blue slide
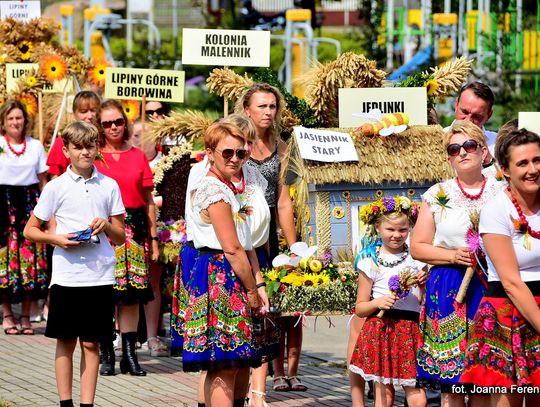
pixel 413 65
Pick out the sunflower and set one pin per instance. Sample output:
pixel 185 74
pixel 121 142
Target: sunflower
pixel 96 74
pixel 31 81
pixel 53 67
pixel 131 109
pixel 30 103
pixel 25 49
pixel 431 87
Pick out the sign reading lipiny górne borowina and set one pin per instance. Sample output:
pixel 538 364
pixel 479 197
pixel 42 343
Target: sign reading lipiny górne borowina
pixel 225 47
pixel 152 84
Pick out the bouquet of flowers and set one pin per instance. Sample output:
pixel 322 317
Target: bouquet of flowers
pixel 400 285
pixel 309 284
pixel 171 234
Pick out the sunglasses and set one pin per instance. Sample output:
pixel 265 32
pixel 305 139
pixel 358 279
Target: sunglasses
pixel 228 153
pixel 159 111
pixel 470 146
pixel 118 122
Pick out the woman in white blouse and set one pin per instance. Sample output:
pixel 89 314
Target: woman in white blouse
pixel 440 238
pixel 220 297
pixel 23 173
pixel 504 350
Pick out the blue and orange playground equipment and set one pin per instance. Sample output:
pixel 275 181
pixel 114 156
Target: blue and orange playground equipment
pixel 499 39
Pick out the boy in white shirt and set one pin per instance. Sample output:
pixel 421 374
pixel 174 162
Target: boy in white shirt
pixel 88 210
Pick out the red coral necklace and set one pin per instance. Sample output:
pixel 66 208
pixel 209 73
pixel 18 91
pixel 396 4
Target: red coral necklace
pixel 523 220
pixel 232 187
pixel 470 196
pixel 17 153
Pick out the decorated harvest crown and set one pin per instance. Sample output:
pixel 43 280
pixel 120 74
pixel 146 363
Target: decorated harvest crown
pixel 369 214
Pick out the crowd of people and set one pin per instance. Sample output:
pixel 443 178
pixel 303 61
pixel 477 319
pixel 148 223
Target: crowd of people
pixel 452 307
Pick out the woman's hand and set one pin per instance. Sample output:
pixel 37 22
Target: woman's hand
pixel 421 278
pixel 254 302
pixel 154 252
pixel 462 257
pixel 385 302
pixel 264 298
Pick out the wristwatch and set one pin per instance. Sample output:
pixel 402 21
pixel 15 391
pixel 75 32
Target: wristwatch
pixel 154 238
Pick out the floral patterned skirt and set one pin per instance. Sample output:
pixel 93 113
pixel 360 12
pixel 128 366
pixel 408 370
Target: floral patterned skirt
pixel 504 349
pixel 186 261
pixel 131 271
pixel 385 351
pixel 217 325
pixel 23 264
pixel 268 345
pixel 445 327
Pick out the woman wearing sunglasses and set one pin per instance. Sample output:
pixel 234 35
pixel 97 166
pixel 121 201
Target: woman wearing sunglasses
pixel 503 350
pixel 264 105
pixel 218 295
pixel 129 167
pixel 440 239
pixel 250 185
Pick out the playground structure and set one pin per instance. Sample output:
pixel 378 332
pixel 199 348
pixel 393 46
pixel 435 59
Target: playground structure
pixel 300 47
pixel 496 37
pixel 100 21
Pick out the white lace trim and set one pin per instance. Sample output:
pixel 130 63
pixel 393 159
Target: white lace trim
pixel 210 191
pixel 458 201
pixel 254 181
pixel 383 380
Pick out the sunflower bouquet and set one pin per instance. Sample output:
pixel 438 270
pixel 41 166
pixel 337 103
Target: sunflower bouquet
pixel 171 234
pixel 311 284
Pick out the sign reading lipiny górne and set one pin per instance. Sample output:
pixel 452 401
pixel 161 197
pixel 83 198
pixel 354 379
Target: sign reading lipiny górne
pixel 20 10
pixel 152 84
pixel 225 47
pixel 325 145
pixel 14 72
pixel 354 103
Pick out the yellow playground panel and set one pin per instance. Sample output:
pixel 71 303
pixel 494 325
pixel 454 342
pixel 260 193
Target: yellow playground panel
pixel 531 56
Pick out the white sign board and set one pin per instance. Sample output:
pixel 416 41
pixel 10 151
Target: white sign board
pixel 15 71
pixel 354 101
pixel 139 6
pixel 153 84
pixel 529 121
pixel 20 10
pixel 225 47
pixel 325 145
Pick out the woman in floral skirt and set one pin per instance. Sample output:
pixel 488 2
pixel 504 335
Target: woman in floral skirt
pixel 505 347
pixel 23 173
pixel 220 303
pixel 440 238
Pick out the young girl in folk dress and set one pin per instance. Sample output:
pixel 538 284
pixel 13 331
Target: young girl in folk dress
pixel 386 347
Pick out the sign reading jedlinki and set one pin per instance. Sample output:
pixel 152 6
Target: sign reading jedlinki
pixel 225 47
pixel 355 104
pixel 325 145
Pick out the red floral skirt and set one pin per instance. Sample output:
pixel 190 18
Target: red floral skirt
pixel 504 349
pixel 385 351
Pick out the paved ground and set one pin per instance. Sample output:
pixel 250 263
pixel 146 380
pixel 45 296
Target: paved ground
pixel 27 374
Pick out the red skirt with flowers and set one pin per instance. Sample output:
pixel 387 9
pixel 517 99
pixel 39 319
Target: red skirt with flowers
pixel 504 349
pixel 385 351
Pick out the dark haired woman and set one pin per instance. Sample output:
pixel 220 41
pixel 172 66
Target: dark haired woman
pixel 23 173
pixel 129 167
pixel 504 348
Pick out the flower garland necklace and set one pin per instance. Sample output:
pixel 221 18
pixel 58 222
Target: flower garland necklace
pixel 524 226
pixel 393 263
pixel 16 153
pixel 470 196
pixel 228 183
